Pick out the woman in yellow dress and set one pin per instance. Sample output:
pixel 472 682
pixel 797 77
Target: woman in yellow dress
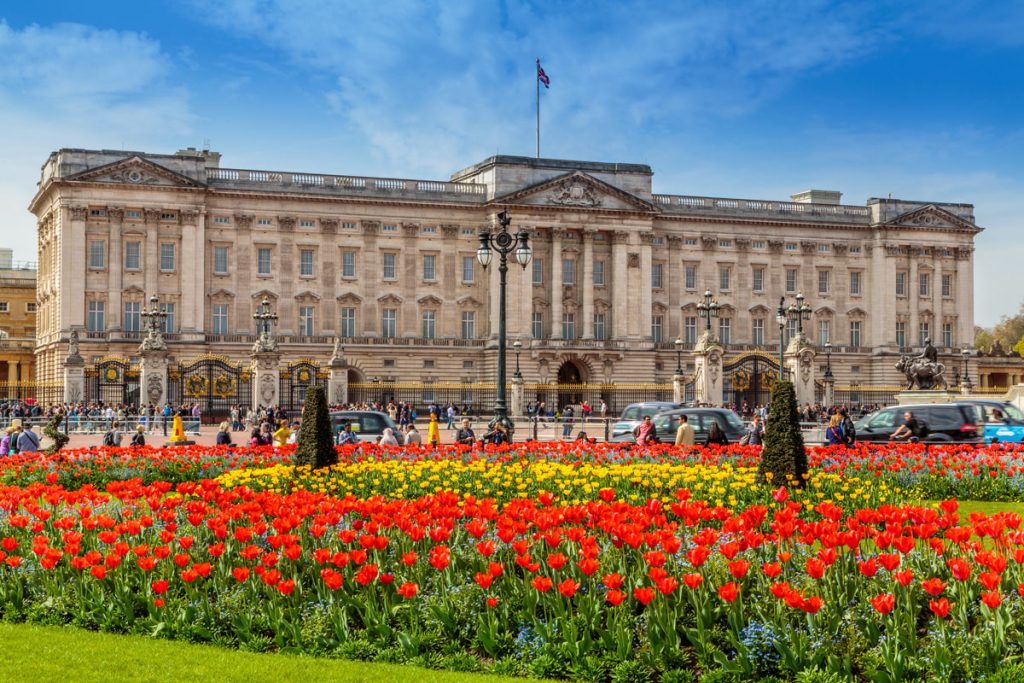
pixel 433 432
pixel 282 433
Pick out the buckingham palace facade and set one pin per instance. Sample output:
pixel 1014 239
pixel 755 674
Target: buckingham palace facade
pixel 388 265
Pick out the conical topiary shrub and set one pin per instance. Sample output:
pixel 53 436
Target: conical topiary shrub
pixel 315 445
pixel 783 453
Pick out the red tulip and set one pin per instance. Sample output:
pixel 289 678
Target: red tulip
pixel 159 587
pixel 933 586
pixel 542 583
pixel 692 580
pixel 286 587
pixel 644 595
pixel 960 568
pixel 728 592
pixel 990 580
pixel 939 607
pixel 884 604
pixel 607 495
pixel 408 590
pixel 771 569
pixel 241 574
pixel 991 599
pixel 332 579
pixel 904 577
pixel 568 588
pixel 613 581
pixel 738 568
pixel 615 597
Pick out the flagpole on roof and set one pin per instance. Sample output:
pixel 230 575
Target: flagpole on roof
pixel 537 78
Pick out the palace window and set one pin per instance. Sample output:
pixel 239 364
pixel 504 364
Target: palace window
pixel 855 333
pixel 263 261
pixel 758 279
pixel 220 319
pixel 306 320
pixel 901 283
pixel 348 322
pixel 599 273
pixel 220 260
pixel 690 330
pixel 538 271
pixel 5 307
pixel 568 326
pixel 947 285
pixel 690 241
pixel 725 243
pixel 429 267
pixel 723 278
pixel 923 332
pixel 468 268
pixel 791 246
pixel 390 228
pixel 656 275
pixel 430 230
pixel 568 271
pixel 306 263
pixel 657 324
pixel 790 280
pixel 467 365
pixel 306 223
pixel 388 322
pixel 599 333
pixel 469 325
pixel 132 321
pixel 824 332
pixel 855 282
pixel 133 213
pixel 823 278
pixel 725 330
pixel 348 264
pixel 97 254
pixel 824 248
pixel 96 319
pixel 348 226
pixel 901 334
pixel 947 334
pixel 538 325
pixel 429 324
pixel 221 220
pixel 170 323
pixel 790 329
pixel 757 331
pixel 31 307
pixel 265 221
pixel 924 282
pixel 691 277
pixel 167 256
pixel 132 255
pixel 168 216
pixel 389 267
pixel 855 249
pixel 757 244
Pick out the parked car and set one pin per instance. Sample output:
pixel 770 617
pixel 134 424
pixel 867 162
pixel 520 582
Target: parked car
pixel 369 425
pixel 634 413
pixel 946 422
pixel 1003 422
pixel 700 419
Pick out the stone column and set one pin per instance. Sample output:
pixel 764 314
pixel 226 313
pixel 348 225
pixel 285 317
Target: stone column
pixel 799 359
pixel 337 384
pixel 587 284
pixel 620 285
pixel 913 301
pixel 674 283
pixel 153 377
pixel 114 269
pixel 74 378
pixel 266 371
pixel 707 358
pixel 369 277
pixel 556 283
pixel 678 394
pixel 515 406
pixel 646 293
pixel 829 396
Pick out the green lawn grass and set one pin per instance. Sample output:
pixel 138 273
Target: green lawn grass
pixel 989 508
pixel 38 654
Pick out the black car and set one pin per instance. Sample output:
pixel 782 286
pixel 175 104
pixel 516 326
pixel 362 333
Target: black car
pixel 634 413
pixel 700 419
pixel 946 423
pixel 368 425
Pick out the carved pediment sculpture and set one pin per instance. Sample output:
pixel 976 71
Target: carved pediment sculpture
pixel 574 191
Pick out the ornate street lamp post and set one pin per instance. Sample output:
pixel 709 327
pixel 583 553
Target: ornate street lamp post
pixel 799 312
pixel 154 317
pixel 966 380
pixel 265 321
pixel 518 346
pixel 828 362
pixel 707 309
pixel 781 318
pixel 679 355
pixel 504 243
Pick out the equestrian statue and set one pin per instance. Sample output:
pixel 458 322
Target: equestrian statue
pixel 923 370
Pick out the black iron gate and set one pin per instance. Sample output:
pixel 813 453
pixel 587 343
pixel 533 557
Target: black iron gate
pixel 296 380
pixel 113 381
pixel 749 380
pixel 214 382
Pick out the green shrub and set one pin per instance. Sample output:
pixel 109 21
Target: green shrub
pixel 784 458
pixel 679 676
pixel 1007 673
pixel 316 442
pixel 819 676
pixel 631 671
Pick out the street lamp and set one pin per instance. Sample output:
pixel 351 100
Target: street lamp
pixel 966 380
pixel 828 362
pixel 800 312
pixel 504 243
pixel 708 309
pixel 154 317
pixel 518 346
pixel 679 355
pixel 781 318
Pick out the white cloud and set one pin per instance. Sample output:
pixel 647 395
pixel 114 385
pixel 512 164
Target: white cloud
pixel 70 85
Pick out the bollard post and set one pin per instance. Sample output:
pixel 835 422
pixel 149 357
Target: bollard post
pixel 606 434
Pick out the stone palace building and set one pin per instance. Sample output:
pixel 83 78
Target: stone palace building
pixel 388 265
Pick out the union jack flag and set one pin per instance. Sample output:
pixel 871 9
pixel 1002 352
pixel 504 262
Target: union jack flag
pixel 543 77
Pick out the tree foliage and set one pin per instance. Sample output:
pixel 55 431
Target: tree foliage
pixel 783 458
pixel 1008 333
pixel 52 430
pixel 315 445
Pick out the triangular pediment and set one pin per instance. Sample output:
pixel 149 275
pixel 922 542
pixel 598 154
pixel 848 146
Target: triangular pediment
pixel 135 171
pixel 428 300
pixel 932 217
pixel 577 190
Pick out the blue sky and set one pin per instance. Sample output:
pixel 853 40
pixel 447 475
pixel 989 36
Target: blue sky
pixel 739 99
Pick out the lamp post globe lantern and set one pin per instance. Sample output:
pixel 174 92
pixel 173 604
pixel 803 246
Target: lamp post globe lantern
pixel 965 379
pixel 504 243
pixel 708 309
pixel 679 355
pixel 828 362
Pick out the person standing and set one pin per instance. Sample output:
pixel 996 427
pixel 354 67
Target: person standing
pixel 28 442
pixel 716 436
pixel 684 434
pixel 567 414
pixel 282 433
pixel 834 431
pixel 755 432
pixel 645 433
